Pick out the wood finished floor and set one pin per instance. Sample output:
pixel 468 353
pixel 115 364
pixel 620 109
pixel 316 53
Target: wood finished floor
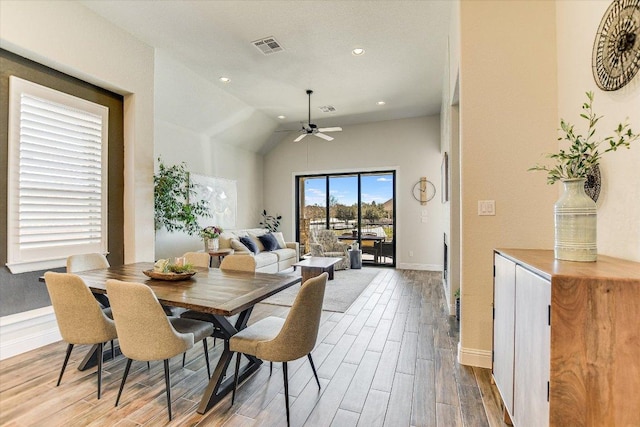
pixel 388 361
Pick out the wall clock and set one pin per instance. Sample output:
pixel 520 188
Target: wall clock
pixel 616 50
pixel 423 190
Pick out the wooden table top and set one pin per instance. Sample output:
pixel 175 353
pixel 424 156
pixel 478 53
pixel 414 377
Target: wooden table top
pixel 210 290
pixel 543 262
pixel 363 237
pixel 318 261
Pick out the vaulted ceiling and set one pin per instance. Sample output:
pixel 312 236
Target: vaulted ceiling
pixel 405 45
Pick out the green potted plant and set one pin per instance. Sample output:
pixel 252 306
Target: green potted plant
pixel 575 211
pixel 584 152
pixel 174 200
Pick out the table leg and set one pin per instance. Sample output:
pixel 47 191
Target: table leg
pixel 219 386
pixel 330 271
pixel 91 358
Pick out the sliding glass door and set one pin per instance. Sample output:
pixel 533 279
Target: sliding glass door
pixel 358 207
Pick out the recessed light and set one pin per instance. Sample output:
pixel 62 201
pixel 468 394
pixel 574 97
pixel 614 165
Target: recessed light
pixel 282 117
pixel 357 51
pixel 380 103
pixel 225 79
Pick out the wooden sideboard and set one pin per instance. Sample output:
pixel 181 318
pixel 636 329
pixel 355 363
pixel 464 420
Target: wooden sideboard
pixel 566 339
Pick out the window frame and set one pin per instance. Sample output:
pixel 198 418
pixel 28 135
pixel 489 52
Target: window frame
pixel 19 259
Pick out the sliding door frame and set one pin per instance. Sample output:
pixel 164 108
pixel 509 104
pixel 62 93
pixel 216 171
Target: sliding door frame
pixel 359 175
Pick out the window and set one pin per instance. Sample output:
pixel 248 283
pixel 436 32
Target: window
pixel 57 186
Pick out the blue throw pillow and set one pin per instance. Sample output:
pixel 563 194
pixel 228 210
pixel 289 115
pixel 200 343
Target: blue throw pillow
pixel 250 244
pixel 269 242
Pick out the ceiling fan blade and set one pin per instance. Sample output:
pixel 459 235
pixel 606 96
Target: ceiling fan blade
pixel 298 139
pixel 323 136
pixel 333 129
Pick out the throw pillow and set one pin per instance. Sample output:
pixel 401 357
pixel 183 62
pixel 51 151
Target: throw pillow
pixel 237 246
pixel 269 242
pixel 280 239
pixel 257 241
pixel 250 244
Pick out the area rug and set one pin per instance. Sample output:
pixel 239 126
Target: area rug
pixel 339 294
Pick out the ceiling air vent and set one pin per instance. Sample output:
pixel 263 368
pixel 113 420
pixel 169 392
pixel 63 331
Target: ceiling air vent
pixel 327 108
pixel 268 45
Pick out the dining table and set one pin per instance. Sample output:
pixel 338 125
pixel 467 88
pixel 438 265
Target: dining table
pixel 211 290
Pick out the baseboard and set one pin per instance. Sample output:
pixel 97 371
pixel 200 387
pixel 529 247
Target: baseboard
pixel 416 266
pixel 474 357
pixel 26 331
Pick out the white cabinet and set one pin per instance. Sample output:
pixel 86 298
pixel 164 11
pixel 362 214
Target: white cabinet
pixel 504 328
pixel 521 342
pixel 532 350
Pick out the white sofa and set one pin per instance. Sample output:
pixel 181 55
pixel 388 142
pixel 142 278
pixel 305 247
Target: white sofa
pixel 266 261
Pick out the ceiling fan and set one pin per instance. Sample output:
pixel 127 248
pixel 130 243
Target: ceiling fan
pixel 312 129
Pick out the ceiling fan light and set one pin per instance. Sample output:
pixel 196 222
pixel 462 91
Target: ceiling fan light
pixel 380 103
pixel 224 79
pixel 282 117
pixel 357 51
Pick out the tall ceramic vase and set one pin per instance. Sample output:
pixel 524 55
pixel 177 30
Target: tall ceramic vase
pixel 575 224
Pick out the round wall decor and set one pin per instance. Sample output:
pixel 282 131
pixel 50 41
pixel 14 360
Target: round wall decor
pixel 423 191
pixel 616 50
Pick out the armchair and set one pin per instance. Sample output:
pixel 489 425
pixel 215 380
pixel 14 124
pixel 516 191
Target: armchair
pixel 325 243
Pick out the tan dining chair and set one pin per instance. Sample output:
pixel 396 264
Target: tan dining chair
pixel 83 262
pixel 197 259
pixel 238 263
pixel 145 333
pixel 282 340
pixel 79 317
pixel 230 262
pixel 90 261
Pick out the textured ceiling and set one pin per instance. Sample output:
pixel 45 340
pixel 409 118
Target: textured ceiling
pixel 405 43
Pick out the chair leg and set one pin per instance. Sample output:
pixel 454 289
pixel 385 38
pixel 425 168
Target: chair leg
pixel 167 382
pixel 100 357
pixel 148 365
pixel 113 354
pixel 124 378
pixel 64 364
pixel 184 357
pixel 270 368
pixel 285 376
pixel 315 374
pixel 206 357
pixel 235 378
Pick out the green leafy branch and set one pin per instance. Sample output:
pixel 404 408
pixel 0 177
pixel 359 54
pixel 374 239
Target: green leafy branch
pixel 174 193
pixel 584 152
pixel 270 222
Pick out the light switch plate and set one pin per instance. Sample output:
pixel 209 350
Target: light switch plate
pixel 486 207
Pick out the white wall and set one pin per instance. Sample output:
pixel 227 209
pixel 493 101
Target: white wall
pixel 66 36
pixel 508 118
pixel 410 146
pixel 192 124
pixel 619 202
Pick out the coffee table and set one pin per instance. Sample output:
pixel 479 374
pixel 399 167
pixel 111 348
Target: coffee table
pixel 315 266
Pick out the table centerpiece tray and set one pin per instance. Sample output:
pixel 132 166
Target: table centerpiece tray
pixel 169 275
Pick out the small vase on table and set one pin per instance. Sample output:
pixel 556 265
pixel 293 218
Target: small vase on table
pixel 211 244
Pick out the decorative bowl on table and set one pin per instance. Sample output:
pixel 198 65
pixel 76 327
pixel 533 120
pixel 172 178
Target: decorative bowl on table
pixel 168 275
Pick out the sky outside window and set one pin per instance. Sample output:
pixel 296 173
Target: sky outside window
pixel 378 188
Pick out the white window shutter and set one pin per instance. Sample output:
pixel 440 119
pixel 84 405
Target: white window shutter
pixel 57 177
